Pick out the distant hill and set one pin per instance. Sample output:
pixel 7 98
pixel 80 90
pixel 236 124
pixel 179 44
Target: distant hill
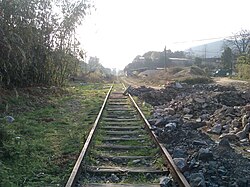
pixel 210 50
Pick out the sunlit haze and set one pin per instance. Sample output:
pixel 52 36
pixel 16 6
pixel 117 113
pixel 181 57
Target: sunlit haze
pixel 121 29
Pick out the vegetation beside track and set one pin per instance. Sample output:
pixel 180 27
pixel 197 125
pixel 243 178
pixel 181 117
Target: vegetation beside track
pixel 121 142
pixel 41 145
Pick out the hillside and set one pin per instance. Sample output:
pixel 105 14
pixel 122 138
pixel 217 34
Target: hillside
pixel 213 49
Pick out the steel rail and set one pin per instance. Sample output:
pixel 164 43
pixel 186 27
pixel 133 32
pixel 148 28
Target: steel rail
pixel 75 172
pixel 175 171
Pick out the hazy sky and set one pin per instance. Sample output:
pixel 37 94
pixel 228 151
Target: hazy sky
pixel 121 29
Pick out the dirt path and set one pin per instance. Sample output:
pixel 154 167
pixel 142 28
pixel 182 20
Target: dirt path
pixel 137 83
pixel 232 82
pixel 225 81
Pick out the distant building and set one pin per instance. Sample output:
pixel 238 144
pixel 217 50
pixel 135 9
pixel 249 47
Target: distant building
pixel 181 61
pixel 212 61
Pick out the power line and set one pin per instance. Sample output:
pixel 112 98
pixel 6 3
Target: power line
pixel 205 39
pixel 203 51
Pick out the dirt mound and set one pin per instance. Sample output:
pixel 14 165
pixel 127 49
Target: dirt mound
pixel 161 77
pixel 189 72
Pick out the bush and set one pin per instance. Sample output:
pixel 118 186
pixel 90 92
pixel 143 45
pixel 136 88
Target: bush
pixel 3 135
pixel 243 71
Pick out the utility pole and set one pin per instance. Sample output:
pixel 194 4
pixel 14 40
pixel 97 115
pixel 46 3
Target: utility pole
pixel 165 52
pixel 205 54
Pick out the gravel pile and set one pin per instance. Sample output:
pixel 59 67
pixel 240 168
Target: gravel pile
pixel 202 126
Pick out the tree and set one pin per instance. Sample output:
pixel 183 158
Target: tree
pixel 94 63
pixel 227 59
pixel 197 61
pixel 37 46
pixel 178 54
pixel 241 42
pixel 243 66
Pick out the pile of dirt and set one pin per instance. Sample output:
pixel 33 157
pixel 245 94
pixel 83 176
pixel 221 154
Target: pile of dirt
pixel 204 126
pixel 172 73
pixel 189 72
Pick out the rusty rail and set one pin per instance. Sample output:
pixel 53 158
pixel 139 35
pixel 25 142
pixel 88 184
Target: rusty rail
pixel 178 176
pixel 75 172
pixel 174 169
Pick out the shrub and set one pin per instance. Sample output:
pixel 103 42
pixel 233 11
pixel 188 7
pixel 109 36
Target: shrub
pixel 243 71
pixel 3 135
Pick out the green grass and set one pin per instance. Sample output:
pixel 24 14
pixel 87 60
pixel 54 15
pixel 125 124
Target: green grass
pixel 145 107
pixel 94 159
pixel 40 147
pixel 138 178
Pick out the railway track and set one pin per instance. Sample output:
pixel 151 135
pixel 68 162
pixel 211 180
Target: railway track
pixel 121 150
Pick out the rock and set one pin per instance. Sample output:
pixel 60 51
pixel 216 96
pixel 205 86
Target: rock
pixel 170 127
pixel 243 182
pixel 180 163
pixel 198 120
pixel 235 123
pixel 229 110
pixel 204 116
pixel 187 116
pixel 211 105
pixel 159 110
pixel 224 143
pixel 165 182
pixel 229 136
pixel 148 175
pixel 186 174
pixel 222 171
pixel 194 124
pixel 170 111
pixel 158 131
pixel 186 110
pixel 9 119
pixel 179 152
pixel 204 105
pixel 197 180
pixel 152 121
pixel 205 154
pixel 136 161
pixel 216 129
pixel 244 120
pixel 106 159
pixel 243 134
pixel 226 128
pixel 247 107
pixel 212 165
pixel 200 100
pixel 114 178
pixel 245 140
pixel 178 85
pixel 199 142
pixel 160 122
